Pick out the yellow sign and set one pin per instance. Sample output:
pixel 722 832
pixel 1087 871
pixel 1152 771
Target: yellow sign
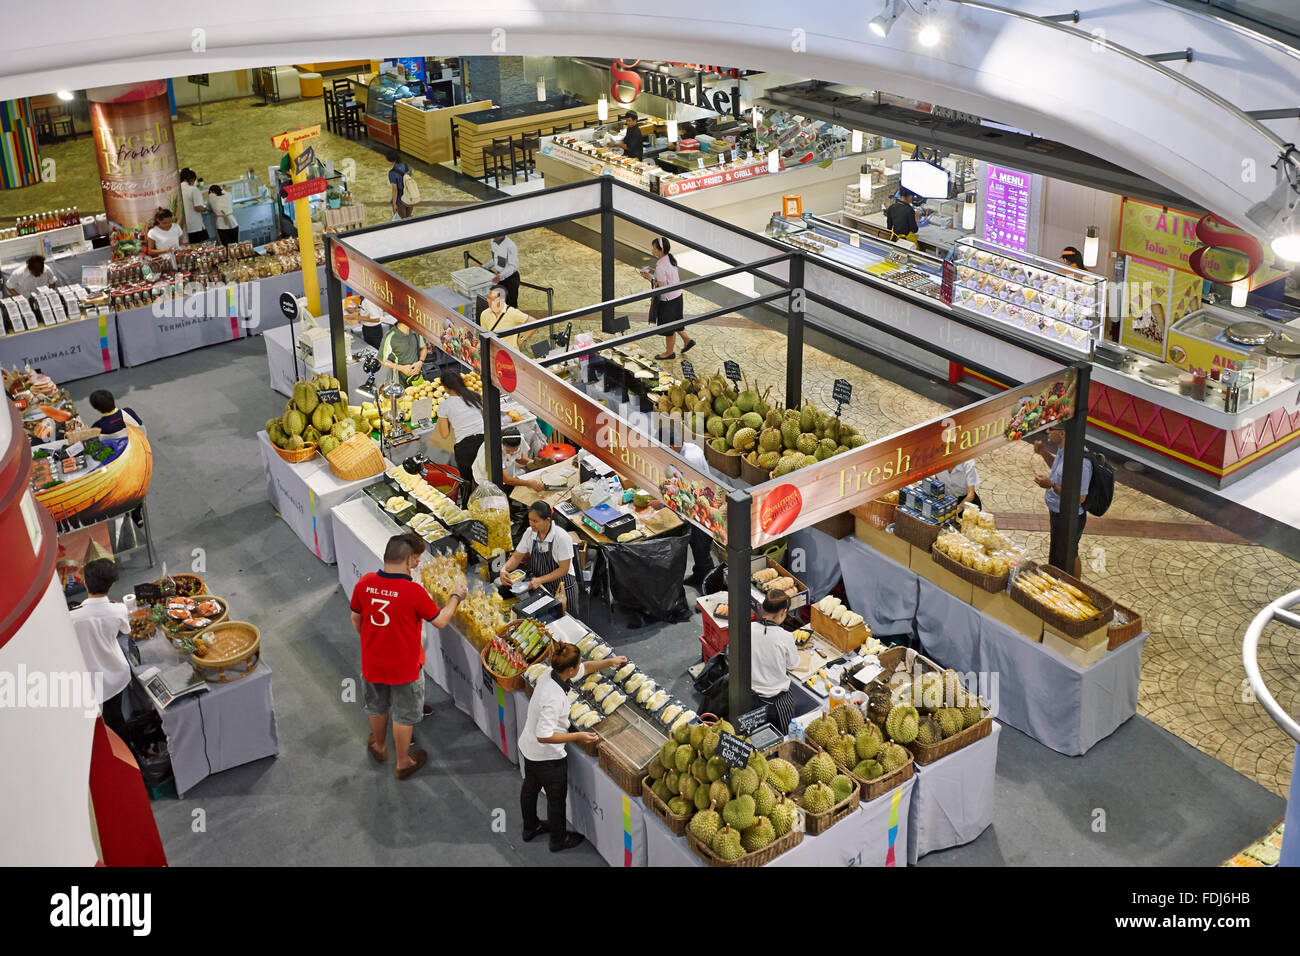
pixel 285 140
pixel 1154 296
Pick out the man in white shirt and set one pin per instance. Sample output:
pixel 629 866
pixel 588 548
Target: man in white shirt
pixel 771 655
pixel 505 267
pixel 363 312
pixel 962 481
pixel 192 207
pixel 32 275
pixel 98 622
pixel 513 459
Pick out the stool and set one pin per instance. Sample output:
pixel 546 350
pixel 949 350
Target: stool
pixel 567 127
pixel 590 123
pixel 350 119
pixel 310 84
pixel 492 159
pixel 527 145
pixel 331 111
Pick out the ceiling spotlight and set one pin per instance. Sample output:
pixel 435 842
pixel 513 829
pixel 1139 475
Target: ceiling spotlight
pixel 65 95
pixel 929 35
pixel 881 25
pixel 1287 246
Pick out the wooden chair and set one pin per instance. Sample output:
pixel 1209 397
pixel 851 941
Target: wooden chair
pixel 493 160
pixel 526 146
pixel 331 110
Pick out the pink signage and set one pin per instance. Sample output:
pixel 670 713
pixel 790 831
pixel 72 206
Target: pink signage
pixel 1006 207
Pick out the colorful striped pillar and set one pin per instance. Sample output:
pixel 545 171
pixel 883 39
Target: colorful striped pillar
pixel 20 161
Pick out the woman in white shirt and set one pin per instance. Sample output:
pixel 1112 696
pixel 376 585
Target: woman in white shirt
pixel 541 744
pixel 667 307
pixel 363 312
pixel 549 551
pixel 192 208
pixel 460 413
pixel 166 234
pixel 771 655
pixel 223 214
pixel 962 481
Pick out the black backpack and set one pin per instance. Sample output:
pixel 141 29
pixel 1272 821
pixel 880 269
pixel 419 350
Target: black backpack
pixel 1101 487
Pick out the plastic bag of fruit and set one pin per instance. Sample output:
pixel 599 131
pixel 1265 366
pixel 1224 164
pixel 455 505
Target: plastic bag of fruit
pixel 490 505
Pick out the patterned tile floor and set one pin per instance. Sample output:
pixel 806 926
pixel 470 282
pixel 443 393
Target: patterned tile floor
pixel 1196 585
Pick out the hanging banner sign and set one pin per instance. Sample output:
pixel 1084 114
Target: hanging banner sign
pixel 704 180
pixel 853 478
pixel 694 497
pixel 1155 296
pixel 283 141
pixel 441 327
pixel 308 187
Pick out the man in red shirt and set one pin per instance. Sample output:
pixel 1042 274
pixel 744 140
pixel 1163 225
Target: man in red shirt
pixel 389 611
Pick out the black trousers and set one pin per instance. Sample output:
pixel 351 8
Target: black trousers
pixel 780 710
pixel 200 236
pixel 466 451
pixel 112 708
pixel 511 285
pixel 553 777
pixel 975 500
pixel 701 554
pixel 373 335
pixel 1057 523
pixel 228 235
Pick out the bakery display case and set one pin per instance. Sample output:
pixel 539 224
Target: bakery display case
pixel 1038 296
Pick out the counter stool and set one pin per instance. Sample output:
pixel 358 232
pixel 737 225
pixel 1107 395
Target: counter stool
pixel 311 84
pixel 349 119
pixel 526 146
pixel 493 157
pixel 331 110
pixel 590 123
pixel 567 127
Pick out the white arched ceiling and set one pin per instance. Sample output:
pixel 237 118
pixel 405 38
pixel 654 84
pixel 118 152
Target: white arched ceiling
pixel 1056 85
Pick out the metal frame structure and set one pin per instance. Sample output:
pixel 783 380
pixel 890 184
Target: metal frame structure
pixel 1285 610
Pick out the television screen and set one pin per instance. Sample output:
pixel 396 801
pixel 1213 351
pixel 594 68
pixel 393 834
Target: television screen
pixel 925 179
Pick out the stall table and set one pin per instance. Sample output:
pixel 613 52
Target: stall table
pixel 886 591
pixel 952 800
pixel 280 352
pixel 303 494
pixel 172 326
pixel 67 351
pixel 360 534
pixel 456 667
pixel 426 134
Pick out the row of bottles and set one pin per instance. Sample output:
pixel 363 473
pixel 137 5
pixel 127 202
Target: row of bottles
pixel 45 221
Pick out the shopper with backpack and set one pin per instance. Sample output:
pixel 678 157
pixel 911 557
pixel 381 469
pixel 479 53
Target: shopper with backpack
pixel 1053 452
pixel 405 193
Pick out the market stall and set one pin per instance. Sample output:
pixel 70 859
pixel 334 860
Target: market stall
pixel 287 364
pixel 424 128
pixel 82 346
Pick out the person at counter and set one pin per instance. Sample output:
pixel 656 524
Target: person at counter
pixel 192 208
pixel 514 455
pixel 404 352
pixel 701 543
pixel 1053 452
pixel 500 315
pixel 505 267
pixel 772 654
pixel 631 137
pixel 223 214
pixel 112 420
pixel 31 276
pixel 461 413
pixel 667 307
pixel 548 550
pixel 901 216
pixel 962 481
pixel 1073 258
pixel 541 744
pixel 97 623
pixel 361 311
pixel 165 235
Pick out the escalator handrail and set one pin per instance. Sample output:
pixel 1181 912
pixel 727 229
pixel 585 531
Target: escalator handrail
pixel 1280 611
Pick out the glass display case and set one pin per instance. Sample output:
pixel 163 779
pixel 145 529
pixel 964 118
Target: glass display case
pixel 382 95
pixel 1045 298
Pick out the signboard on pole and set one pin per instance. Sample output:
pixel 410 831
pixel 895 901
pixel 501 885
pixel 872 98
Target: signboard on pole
pixel 309 187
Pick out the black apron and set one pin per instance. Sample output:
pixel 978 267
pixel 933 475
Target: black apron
pixel 541 562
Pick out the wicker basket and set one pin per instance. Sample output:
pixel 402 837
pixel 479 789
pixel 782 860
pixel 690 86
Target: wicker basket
pixel 929 753
pixel 514 682
pixel 883 784
pixel 758 858
pixel 508 633
pixel 187 585
pixel 917 533
pixel 845 638
pixel 799 753
pixel 81 434
pixel 355 459
pixel 752 473
pixel 306 453
pixel 1066 625
pixel 675 824
pixel 725 463
pixel 992 583
pixel 230 644
pixel 878 513
pixel 1122 633
pixel 627 777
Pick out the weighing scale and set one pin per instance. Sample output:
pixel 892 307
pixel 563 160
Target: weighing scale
pixel 163 687
pixel 543 608
pixel 608 520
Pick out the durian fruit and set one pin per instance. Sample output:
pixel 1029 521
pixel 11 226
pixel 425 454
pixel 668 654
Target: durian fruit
pixel 782 816
pixel 724 727
pixel 782 775
pixel 928 692
pixel 854 720
pixel 656 770
pixel 743 782
pixel 661 790
pixel 818 798
pixel 822 768
pixel 702 799
pixel 726 844
pixel 970 716
pixel 954 693
pixel 764 799
pixel 682 734
pixel 705 825
pixel 928 731
pixel 868 769
pixel 678 807
pixel 758 764
pixel 700 770
pixel 709 745
pixel 758 836
pixel 892 756
pixel 715 768
pixel 841 717
pixel 683 758
pixel 868 742
pixel 879 704
pixel 806 443
pixel 689 786
pixel 842 787
pixel 739 813
pixel 719 794
pixel 673 782
pixel 697 737
pixel 806 776
pixel 668 755
pixel 950 720
pixel 821 731
pixel 901 724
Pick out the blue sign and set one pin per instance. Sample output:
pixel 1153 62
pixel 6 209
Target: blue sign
pixel 412 66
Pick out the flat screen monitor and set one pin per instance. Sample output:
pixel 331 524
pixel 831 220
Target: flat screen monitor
pixel 925 179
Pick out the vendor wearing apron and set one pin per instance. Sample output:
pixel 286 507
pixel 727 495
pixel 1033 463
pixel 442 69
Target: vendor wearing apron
pixel 549 550
pixel 541 744
pixel 901 217
pixel 772 654
pixel 962 481
pixel 461 414
pixel 403 351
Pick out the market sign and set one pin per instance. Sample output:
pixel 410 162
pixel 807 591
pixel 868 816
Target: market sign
pixel 441 327
pixel 292 192
pixel 284 140
pixel 691 495
pixel 704 180
pixel 671 88
pixel 853 478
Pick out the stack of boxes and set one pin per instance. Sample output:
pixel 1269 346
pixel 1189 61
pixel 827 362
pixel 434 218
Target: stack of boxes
pixel 927 500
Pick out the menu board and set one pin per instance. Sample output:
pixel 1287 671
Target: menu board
pixel 1006 207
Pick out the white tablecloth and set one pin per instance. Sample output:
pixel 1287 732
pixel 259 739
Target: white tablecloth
pixel 952 802
pixel 813 557
pixel 611 820
pixel 303 494
pixel 454 664
pixel 280 353
pixel 66 351
pixel 360 534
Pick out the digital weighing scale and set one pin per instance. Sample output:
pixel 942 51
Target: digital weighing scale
pixel 608 520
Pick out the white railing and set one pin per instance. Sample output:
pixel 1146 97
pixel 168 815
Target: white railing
pixel 1282 612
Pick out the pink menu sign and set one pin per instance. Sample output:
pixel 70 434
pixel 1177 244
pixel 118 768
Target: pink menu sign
pixel 1006 207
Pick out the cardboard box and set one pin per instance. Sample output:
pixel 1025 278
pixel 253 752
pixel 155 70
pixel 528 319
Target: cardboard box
pixel 924 565
pixel 1000 607
pixel 894 548
pixel 1082 650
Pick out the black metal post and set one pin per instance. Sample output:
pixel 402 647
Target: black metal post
pixel 1064 552
pixel 794 335
pixel 491 413
pixel 739 599
pixel 338 328
pixel 607 248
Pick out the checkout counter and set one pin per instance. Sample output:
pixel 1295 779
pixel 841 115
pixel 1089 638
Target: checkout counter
pixel 475 130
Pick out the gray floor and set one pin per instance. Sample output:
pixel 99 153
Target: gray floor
pixel 323 801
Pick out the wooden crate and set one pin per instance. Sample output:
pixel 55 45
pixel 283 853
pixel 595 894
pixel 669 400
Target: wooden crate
pixel 923 564
pixel 845 638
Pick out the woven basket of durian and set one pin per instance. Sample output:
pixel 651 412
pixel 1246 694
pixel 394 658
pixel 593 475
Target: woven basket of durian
pixel 984 560
pixel 1063 601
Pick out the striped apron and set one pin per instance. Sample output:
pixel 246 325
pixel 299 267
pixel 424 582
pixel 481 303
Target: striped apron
pixel 540 562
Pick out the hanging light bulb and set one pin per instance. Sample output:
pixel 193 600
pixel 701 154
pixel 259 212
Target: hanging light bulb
pixel 758 117
pixel 65 95
pixel 541 88
pixel 857 141
pixel 1091 240
pixel 672 131
pixel 774 161
pixel 968 212
pixel 864 185
pixel 1240 291
pixel 602 108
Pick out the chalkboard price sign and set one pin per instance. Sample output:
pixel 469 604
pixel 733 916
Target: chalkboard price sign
pixel 328 396
pixel 734 751
pixel 473 531
pixel 749 722
pixel 688 371
pixel 731 370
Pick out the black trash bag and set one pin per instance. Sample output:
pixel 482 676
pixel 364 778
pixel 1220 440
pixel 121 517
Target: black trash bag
pixel 648 577
pixel 711 686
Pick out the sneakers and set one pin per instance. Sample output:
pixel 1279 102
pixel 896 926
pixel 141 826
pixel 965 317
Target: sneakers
pixel 530 835
pixel 570 841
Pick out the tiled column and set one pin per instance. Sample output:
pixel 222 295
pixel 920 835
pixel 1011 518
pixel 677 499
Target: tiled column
pixel 20 160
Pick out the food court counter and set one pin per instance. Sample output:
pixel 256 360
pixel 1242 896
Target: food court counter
pixel 476 130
